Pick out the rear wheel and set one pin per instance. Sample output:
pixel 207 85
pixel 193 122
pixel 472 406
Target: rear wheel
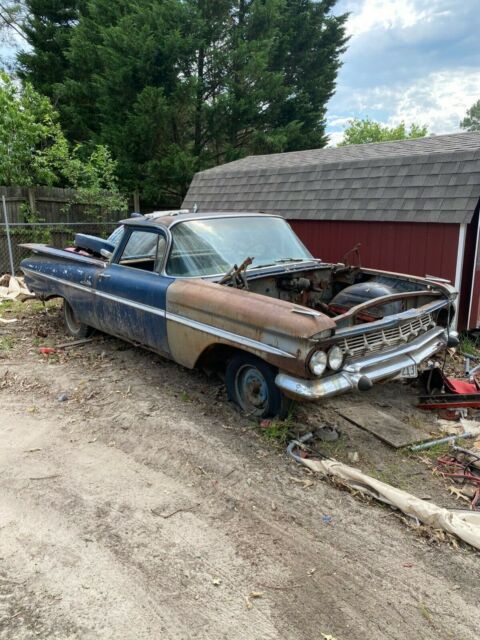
pixel 251 386
pixel 74 327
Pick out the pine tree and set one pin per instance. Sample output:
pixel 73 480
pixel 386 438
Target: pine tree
pixel 176 86
pixel 48 28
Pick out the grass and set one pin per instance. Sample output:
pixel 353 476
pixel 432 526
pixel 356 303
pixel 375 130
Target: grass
pixel 277 431
pixel 6 343
pixel 15 309
pixel 468 345
pixel 437 450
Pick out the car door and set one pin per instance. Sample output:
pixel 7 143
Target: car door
pixel 131 292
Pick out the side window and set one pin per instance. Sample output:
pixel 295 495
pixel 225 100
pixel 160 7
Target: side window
pixel 144 250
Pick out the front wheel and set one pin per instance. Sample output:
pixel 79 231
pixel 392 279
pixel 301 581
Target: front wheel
pixel 74 327
pixel 251 386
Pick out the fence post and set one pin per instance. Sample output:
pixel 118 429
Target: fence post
pixel 31 200
pixel 9 241
pixel 136 201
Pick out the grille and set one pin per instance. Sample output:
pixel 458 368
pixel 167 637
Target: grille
pixel 385 338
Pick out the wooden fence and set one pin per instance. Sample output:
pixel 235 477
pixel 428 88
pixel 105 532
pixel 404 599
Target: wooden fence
pixel 51 204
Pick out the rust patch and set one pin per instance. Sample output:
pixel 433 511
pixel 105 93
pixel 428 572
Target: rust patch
pixel 245 314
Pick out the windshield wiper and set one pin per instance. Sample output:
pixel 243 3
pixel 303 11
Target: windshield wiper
pixel 279 261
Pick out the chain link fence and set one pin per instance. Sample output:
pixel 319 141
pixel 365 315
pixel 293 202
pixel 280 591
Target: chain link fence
pixel 56 234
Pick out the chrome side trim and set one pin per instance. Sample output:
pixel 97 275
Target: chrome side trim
pixel 101 294
pixel 228 335
pixel 194 324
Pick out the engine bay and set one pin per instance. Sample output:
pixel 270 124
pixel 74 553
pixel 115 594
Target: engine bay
pixel 336 289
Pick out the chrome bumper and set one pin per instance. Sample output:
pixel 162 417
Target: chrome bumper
pixel 363 372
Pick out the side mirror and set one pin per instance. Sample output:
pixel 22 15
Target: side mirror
pixel 106 254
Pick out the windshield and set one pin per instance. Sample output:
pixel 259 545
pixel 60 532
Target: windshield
pixel 211 247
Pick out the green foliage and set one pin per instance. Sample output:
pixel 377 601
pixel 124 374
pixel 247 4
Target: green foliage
pixel 277 431
pixel 363 131
pixel 47 26
pixel 468 344
pixel 176 86
pixel 32 145
pixel 471 122
pixel 34 151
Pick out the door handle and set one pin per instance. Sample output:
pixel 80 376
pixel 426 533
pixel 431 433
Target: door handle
pixel 104 275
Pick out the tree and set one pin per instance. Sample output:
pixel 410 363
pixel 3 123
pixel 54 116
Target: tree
pixel 12 15
pixel 181 85
pixel 471 122
pixel 34 150
pixel 363 131
pixel 47 26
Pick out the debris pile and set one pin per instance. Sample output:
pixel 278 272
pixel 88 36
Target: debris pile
pixel 456 523
pixel 463 468
pixel 12 288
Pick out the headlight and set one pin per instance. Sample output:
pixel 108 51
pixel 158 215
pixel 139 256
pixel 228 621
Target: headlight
pixel 335 358
pixel 318 363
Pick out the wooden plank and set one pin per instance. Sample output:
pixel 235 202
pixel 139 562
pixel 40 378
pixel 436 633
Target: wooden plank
pixel 382 425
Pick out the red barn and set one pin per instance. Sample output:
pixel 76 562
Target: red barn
pixel 412 204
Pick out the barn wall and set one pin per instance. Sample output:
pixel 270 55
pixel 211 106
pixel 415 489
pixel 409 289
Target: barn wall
pixel 415 248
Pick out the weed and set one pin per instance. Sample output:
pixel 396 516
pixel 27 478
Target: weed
pixel 437 450
pixel 6 343
pixel 6 307
pixel 184 397
pixel 425 611
pixel 277 431
pixel 468 344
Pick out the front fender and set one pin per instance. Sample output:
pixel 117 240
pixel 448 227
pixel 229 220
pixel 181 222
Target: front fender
pixel 201 313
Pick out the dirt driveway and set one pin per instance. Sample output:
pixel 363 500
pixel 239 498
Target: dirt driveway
pixel 135 503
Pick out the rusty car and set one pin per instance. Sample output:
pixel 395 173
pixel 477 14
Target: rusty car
pixel 240 294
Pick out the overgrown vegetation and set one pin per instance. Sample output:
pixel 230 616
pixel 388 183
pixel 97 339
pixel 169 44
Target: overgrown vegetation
pixel 468 344
pixel 35 151
pixel 177 86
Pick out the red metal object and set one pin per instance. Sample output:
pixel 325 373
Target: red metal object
pixel 450 401
pixel 47 351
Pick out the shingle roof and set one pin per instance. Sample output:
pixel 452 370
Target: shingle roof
pixel 435 179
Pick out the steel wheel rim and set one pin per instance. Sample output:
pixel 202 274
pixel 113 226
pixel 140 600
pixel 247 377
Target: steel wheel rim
pixel 251 390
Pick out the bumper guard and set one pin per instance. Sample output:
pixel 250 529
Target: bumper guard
pixel 361 373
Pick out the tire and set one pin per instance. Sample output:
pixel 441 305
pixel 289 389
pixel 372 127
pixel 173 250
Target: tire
pixel 251 386
pixel 74 327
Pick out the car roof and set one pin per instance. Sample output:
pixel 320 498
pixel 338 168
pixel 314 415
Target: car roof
pixel 174 218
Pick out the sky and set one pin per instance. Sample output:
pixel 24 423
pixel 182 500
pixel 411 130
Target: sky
pixel 411 60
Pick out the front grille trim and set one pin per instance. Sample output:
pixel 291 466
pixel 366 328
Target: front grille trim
pixel 384 339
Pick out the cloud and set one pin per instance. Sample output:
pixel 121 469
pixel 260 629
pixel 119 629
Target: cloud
pixel 388 14
pixel 411 60
pixel 440 100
